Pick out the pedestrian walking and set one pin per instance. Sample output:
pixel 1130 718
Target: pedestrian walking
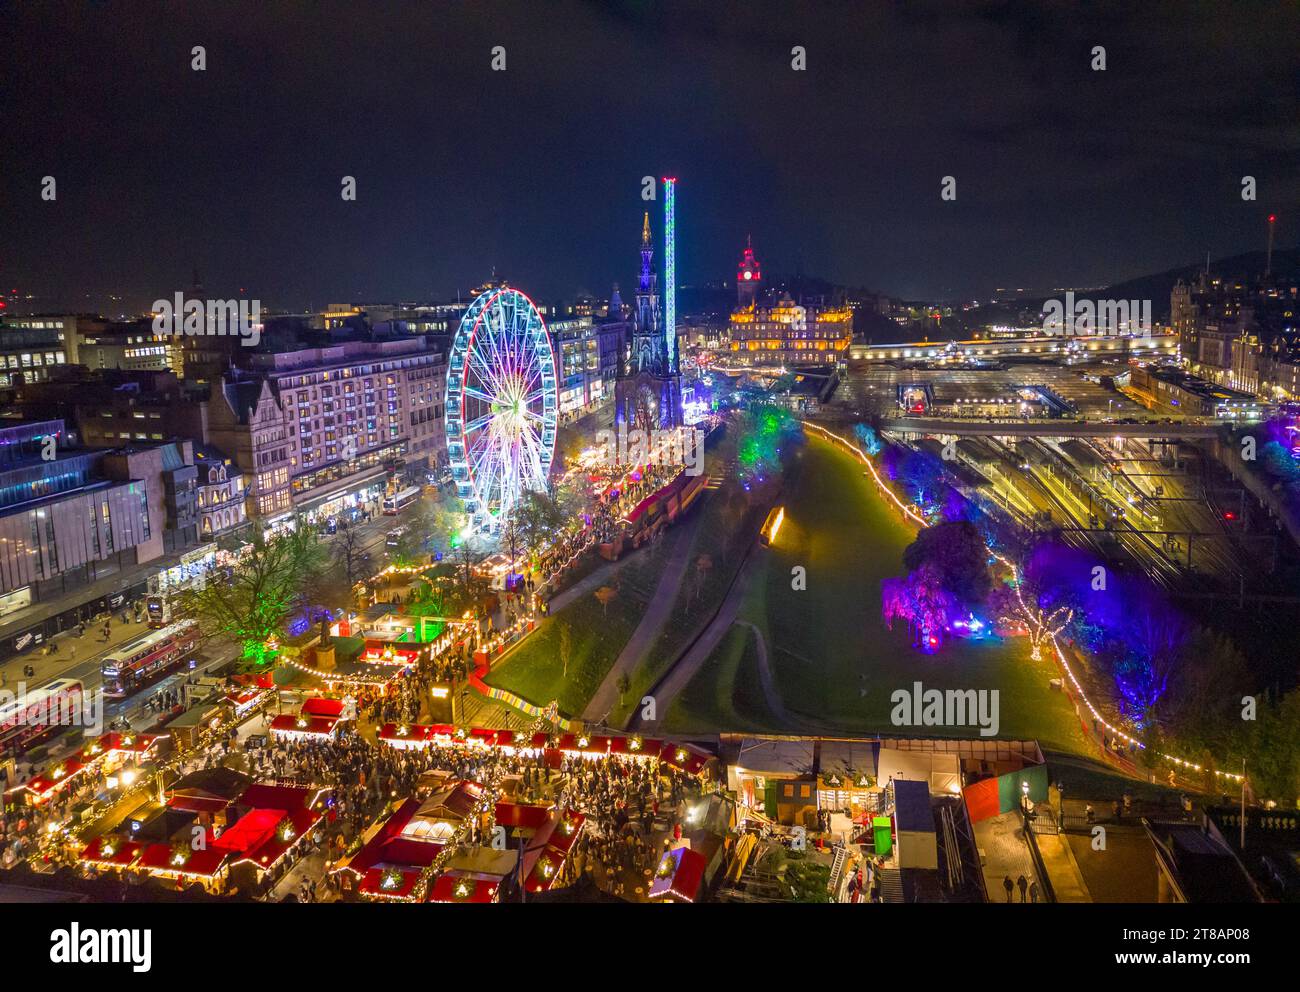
pixel 1023 885
pixel 1033 891
pixel 1008 885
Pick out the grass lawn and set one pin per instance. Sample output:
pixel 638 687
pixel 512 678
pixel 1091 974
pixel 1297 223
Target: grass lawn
pixel 726 693
pixel 534 669
pixel 724 516
pixel 833 660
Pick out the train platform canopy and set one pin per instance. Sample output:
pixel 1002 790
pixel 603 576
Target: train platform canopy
pixel 1081 453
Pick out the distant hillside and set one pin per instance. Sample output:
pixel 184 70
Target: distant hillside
pixel 1156 288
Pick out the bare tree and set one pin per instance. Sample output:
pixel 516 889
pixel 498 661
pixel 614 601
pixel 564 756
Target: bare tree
pixel 606 595
pixel 466 559
pixel 513 535
pixel 349 553
pixel 702 566
pixel 566 647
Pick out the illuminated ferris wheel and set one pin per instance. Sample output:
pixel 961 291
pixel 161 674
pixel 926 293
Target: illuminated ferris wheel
pixel 501 405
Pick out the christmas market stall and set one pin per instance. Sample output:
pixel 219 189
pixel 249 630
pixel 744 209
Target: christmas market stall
pixel 318 718
pixel 98 758
pixel 679 876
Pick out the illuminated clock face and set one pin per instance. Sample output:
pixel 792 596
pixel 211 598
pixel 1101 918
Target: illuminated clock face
pixel 748 276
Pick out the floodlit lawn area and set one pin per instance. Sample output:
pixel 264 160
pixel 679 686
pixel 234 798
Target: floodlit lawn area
pixel 834 662
pixel 726 693
pixel 534 669
pixel 724 515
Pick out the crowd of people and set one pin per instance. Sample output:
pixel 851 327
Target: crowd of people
pixel 164 701
pixel 604 520
pixel 627 802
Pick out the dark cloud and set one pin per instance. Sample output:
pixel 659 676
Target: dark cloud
pixel 1065 176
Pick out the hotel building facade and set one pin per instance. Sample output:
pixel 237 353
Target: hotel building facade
pixel 319 430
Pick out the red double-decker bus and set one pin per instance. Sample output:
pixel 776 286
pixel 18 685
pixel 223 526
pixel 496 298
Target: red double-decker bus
pixel 31 717
pixel 134 666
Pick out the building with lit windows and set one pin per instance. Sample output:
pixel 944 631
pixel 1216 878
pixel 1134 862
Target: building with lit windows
pixel 82 515
pixel 319 430
pixel 123 346
pixel 81 339
pixel 219 493
pixel 1241 334
pixel 588 349
pixel 111 407
pixel 786 333
pixel 391 318
pixel 30 347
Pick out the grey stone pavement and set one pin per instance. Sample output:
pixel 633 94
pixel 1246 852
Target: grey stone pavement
pixel 1001 839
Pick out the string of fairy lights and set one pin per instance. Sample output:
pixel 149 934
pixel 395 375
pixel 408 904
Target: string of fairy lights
pixel 1050 633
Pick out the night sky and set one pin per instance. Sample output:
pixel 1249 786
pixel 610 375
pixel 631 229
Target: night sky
pixel 1065 176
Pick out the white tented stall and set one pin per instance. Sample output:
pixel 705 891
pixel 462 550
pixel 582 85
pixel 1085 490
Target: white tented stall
pixel 939 770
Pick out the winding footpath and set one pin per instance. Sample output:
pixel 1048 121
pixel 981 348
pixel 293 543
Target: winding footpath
pixel 680 541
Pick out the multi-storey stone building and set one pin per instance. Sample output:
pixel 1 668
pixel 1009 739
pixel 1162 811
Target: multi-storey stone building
pixel 785 333
pixel 318 430
pixel 1240 334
